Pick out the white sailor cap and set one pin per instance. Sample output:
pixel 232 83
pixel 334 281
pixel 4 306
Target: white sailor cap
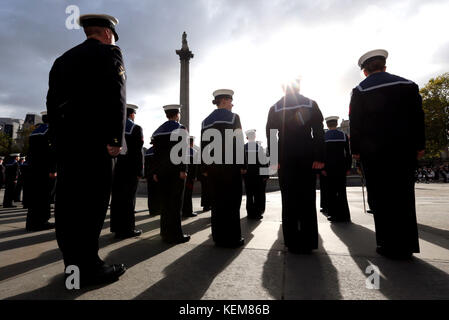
pixel 250 131
pixel 44 113
pixel 132 106
pixel 23 158
pixel 172 107
pixel 223 92
pixel 2 158
pixel 332 118
pixel 372 54
pixel 14 155
pixel 99 20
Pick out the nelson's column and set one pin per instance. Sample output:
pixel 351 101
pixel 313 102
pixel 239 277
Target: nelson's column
pixel 184 55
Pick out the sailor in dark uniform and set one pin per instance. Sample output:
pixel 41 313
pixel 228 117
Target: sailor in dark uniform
pixel 225 177
pixel 299 123
pixel 25 177
pixel 88 78
pixel 255 182
pixel 187 207
pixel 205 190
pixel 20 180
pixel 128 170
pixel 152 189
pixel 170 177
pixel 2 172
pixel 387 122
pixel 39 182
pixel 11 175
pixel 337 163
pixel 323 194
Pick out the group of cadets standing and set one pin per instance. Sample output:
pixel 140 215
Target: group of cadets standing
pixel 97 82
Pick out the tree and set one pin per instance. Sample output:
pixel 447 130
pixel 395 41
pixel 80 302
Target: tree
pixel 22 143
pixel 435 96
pixel 5 144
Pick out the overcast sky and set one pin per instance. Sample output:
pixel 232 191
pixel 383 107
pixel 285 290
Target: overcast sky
pixel 250 46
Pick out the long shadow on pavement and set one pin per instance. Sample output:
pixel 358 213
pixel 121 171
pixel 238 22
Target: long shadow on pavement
pixel 306 276
pixel 409 279
pixel 130 255
pixel 13 215
pixel 13 220
pixel 13 233
pixel 436 236
pixel 189 277
pixel 54 255
pixel 34 239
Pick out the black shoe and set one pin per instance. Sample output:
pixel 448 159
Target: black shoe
pixel 45 226
pixel 206 209
pixel 183 239
pixel 9 206
pixel 126 235
pixel 369 211
pixel 102 275
pixel 188 215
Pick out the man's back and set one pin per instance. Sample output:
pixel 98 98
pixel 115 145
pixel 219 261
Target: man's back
pixel 297 117
pixel 87 79
pixel 386 116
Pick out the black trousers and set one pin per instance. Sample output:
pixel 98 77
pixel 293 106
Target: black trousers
pixel 153 199
pixel 123 200
pixel 225 184
pixel 206 200
pixel 336 195
pixel 323 193
pixel 38 200
pixel 18 189
pixel 10 189
pixel 187 206
pixel 81 204
pixel 299 220
pixel 393 203
pixel 171 189
pixel 255 195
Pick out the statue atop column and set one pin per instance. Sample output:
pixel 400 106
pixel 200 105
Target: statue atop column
pixel 184 56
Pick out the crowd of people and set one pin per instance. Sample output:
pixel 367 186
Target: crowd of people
pixel 92 77
pixel 432 174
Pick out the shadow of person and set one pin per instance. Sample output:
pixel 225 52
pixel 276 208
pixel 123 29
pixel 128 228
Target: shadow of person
pixel 12 215
pixel 436 236
pixel 12 220
pixel 190 276
pixel 130 255
pixel 145 249
pixel 13 233
pixel 27 241
pixel 400 279
pixel 53 255
pixel 50 235
pixel 12 210
pixel 56 290
pixel 306 276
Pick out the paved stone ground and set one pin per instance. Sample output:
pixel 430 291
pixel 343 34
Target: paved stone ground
pixel 31 266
